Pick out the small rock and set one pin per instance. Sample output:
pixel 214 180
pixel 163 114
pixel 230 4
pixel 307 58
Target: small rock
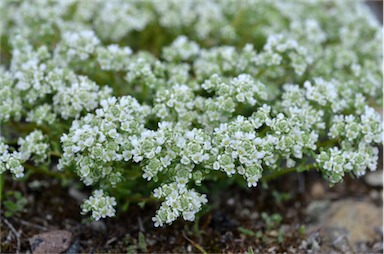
pixel 231 202
pixel 55 241
pixel 335 239
pixel 312 242
pixel 317 209
pixel 362 248
pixel 317 190
pixel 355 221
pixel 378 247
pixel 75 247
pixel 374 178
pixel 374 195
pixel 227 237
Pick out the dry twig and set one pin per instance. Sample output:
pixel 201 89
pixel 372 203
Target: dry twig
pixel 16 233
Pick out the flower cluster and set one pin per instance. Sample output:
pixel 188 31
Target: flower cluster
pixel 178 200
pixel 113 57
pixel 336 162
pixel 42 113
pixel 100 205
pixel 357 153
pixel 82 94
pixel 79 44
pixel 11 102
pixel 40 91
pixel 181 49
pixel 367 127
pixel 95 142
pixel 10 161
pixel 32 147
pixel 196 90
pixel 235 144
pixel 278 48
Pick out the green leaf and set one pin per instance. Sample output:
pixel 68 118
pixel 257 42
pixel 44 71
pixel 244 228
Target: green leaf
pixel 141 204
pixel 250 250
pixel 10 208
pixel 142 243
pixel 246 231
pixel 280 236
pixel 125 206
pixel 131 249
pixel 301 230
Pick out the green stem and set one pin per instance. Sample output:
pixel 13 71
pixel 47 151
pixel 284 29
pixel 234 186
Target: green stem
pixel 142 199
pixel 279 173
pixel 2 181
pixel 55 154
pixel 327 143
pixel 55 174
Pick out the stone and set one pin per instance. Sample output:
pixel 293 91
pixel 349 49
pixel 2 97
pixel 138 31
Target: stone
pixel 56 241
pixel 374 178
pixel 335 239
pixel 316 210
pixel 317 190
pixel 348 223
pixel 74 248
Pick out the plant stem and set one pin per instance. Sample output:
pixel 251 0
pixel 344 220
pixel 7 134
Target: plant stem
pixel 2 181
pixel 55 154
pixel 284 171
pixel 55 174
pixel 142 199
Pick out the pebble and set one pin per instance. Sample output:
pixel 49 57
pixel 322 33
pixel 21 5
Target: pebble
pixel 316 210
pixel 345 224
pixel 317 190
pixel 335 239
pixel 231 202
pixel 374 195
pixel 75 247
pixel 378 247
pixel 374 178
pixel 56 241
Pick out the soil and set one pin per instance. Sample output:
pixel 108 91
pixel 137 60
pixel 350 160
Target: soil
pixel 235 222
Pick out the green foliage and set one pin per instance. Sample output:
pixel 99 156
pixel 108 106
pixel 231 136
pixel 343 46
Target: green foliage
pixel 142 243
pixel 281 197
pixel 271 221
pixel 272 231
pixel 246 231
pixel 14 203
pixel 302 230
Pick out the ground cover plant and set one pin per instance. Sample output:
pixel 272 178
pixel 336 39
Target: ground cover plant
pixel 151 100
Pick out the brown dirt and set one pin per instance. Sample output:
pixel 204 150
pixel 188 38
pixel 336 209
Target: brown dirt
pixel 221 229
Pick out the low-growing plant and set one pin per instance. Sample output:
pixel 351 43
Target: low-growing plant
pixel 13 203
pixel 149 100
pixel 271 231
pixel 271 221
